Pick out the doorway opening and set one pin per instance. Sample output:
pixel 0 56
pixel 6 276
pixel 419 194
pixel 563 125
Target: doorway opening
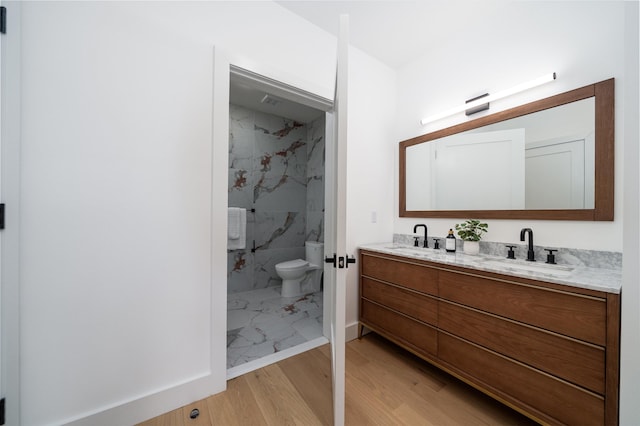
pixel 276 218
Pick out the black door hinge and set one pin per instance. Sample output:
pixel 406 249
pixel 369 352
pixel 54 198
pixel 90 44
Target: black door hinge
pixel 3 20
pixel 2 216
pixel 2 411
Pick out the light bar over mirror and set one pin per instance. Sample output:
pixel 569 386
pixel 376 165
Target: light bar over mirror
pixel 480 101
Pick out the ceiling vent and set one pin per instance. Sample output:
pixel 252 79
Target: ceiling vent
pixel 270 100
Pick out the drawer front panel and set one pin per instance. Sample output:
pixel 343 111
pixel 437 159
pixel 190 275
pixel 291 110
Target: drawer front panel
pixel 571 315
pixel 409 275
pixel 413 333
pixel 571 360
pixel 410 303
pixel 562 401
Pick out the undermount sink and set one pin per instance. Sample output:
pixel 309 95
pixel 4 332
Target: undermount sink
pixel 543 268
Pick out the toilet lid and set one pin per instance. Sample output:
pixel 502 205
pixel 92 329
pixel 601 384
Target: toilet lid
pixel 292 264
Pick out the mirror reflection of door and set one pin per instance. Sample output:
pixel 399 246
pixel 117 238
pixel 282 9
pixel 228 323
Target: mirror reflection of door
pixel 482 170
pixel 559 174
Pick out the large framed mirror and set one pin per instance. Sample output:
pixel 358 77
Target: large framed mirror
pixel 551 159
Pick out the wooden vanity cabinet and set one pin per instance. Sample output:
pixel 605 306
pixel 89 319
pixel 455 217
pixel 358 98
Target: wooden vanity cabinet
pixel 405 308
pixel 550 351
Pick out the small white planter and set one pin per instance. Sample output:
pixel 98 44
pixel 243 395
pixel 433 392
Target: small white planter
pixel 471 247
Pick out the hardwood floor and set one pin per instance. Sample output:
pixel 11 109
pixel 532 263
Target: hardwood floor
pixel 385 385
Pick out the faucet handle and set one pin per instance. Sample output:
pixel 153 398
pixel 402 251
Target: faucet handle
pixel 511 254
pixel 436 243
pixel 415 241
pixel 550 257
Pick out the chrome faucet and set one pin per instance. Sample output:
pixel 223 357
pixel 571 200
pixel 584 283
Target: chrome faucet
pixel 530 254
pixel 426 243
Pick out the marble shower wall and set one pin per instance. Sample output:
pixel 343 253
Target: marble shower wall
pixel 315 180
pixel 276 166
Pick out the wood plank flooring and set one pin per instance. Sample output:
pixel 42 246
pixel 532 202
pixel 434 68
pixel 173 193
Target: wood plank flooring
pixel 385 385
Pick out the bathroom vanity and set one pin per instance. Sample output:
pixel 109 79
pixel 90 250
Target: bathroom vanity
pixel 546 344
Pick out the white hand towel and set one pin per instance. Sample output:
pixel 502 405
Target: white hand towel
pixel 238 228
pixel 233 222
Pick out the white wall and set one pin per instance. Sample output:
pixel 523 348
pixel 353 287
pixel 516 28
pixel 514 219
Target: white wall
pixel 115 197
pixel 582 41
pixel 117 287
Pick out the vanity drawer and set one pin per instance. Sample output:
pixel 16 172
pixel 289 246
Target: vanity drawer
pixel 410 275
pixel 411 303
pixel 576 362
pixel 403 330
pixel 549 396
pixel 574 315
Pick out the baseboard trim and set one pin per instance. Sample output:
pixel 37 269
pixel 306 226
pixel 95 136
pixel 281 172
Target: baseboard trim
pixel 351 332
pixel 150 406
pixel 160 402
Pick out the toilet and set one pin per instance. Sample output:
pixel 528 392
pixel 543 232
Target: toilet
pixel 302 276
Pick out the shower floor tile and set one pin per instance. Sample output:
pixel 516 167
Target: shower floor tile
pixel 261 322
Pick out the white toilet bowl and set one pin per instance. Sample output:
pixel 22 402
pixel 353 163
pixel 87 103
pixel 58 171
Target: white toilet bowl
pixel 298 273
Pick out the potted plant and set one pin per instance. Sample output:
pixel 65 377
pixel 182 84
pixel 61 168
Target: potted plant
pixel 470 231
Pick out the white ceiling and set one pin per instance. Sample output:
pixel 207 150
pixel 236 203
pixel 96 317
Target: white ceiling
pixel 393 31
pixel 396 31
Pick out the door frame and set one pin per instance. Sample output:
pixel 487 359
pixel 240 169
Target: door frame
pixel 291 93
pixel 10 136
pixel 283 90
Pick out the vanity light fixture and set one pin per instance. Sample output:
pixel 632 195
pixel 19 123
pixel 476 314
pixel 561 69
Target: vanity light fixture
pixel 482 102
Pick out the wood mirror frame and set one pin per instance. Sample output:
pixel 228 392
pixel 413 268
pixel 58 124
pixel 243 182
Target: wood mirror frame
pixel 604 158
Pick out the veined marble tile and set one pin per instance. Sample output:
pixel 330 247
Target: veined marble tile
pixel 240 271
pixel 280 127
pixel 316 148
pixel 241 130
pixel 315 194
pixel 279 230
pixel 309 328
pixel 315 226
pixel 261 323
pixel 240 188
pixel 253 297
pixel 238 319
pixel 280 193
pixel 241 118
pixel 242 354
pixel 241 146
pixel 278 157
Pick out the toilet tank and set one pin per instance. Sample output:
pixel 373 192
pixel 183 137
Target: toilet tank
pixel 314 252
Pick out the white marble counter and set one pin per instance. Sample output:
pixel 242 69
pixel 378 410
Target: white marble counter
pixel 608 280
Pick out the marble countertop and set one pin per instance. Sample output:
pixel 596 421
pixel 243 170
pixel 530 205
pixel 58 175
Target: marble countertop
pixel 608 280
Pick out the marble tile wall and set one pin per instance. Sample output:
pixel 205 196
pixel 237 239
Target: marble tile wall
pixel 276 166
pixel 315 180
